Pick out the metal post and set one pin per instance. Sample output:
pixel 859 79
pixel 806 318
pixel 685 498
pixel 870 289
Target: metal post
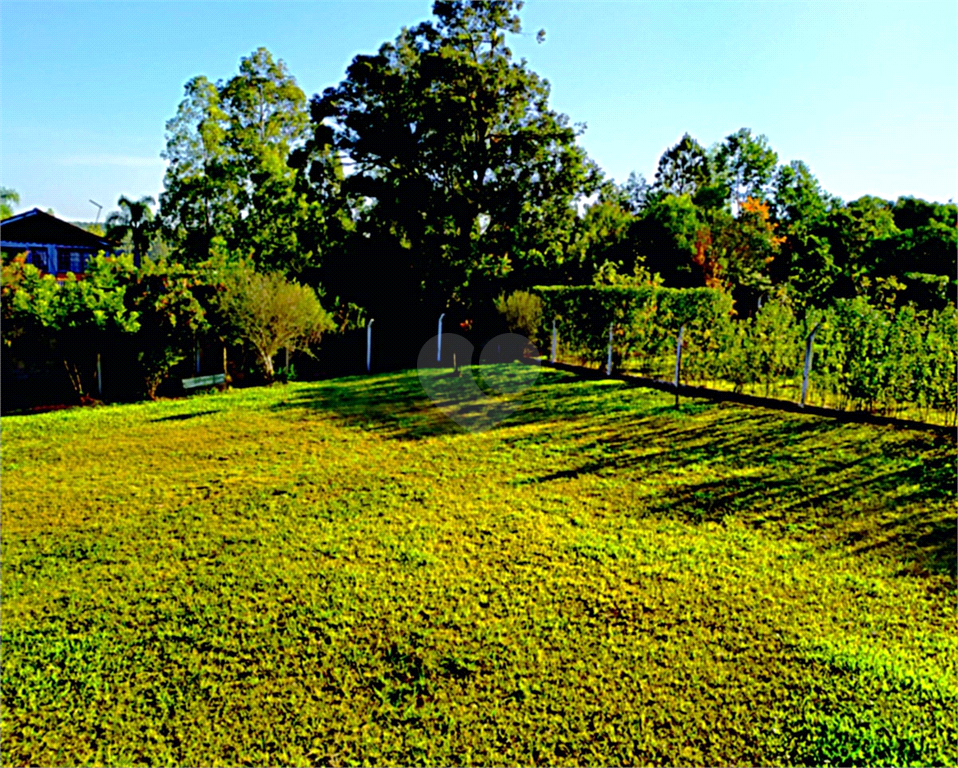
pixel 808 362
pixel 608 365
pixel 439 340
pixel 555 346
pixel 197 359
pixel 99 375
pixel 678 362
pixel 369 344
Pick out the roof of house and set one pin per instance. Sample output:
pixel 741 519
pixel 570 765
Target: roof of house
pixel 43 228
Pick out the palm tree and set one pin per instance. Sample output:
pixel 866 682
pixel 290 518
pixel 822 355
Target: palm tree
pixel 8 199
pixel 135 219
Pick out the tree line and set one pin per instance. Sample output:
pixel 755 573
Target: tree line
pixel 435 177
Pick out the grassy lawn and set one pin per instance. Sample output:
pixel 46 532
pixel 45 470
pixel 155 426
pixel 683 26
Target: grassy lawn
pixel 336 573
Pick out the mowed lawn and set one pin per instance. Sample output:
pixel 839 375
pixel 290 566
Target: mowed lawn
pixel 336 573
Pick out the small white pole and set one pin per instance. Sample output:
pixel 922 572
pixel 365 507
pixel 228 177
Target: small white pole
pixel 555 347
pixel 439 340
pixel 678 363
pixel 369 344
pixel 809 352
pixel 608 365
pixel 678 357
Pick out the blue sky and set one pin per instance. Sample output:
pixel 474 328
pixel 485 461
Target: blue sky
pixel 865 93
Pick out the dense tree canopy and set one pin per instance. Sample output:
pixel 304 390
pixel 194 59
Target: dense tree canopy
pixel 462 171
pixel 436 175
pixel 228 147
pixel 730 217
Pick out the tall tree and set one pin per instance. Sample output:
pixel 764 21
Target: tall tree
pixel 735 253
pixel 667 234
pixel 636 192
pixel 683 169
pixel 458 165
pixel 799 207
pixel 229 176
pixel 797 196
pixel 198 200
pixel 746 165
pixel 928 237
pixel 855 232
pixel 602 239
pixel 134 218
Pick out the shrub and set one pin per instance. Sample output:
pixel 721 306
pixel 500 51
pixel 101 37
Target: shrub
pixel 271 313
pixel 522 312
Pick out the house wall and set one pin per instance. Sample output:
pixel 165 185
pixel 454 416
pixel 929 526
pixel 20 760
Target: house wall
pixel 55 259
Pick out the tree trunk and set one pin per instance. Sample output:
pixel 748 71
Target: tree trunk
pixel 267 365
pixel 73 375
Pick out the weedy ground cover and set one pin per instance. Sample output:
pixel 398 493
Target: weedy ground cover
pixel 336 573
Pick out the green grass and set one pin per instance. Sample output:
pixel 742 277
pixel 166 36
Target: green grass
pixel 336 573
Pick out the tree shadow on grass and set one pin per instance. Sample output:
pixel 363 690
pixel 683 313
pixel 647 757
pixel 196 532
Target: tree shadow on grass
pixel 880 490
pixel 183 416
pixel 396 406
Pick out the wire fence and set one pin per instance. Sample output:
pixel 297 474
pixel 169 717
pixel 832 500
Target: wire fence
pixel 900 362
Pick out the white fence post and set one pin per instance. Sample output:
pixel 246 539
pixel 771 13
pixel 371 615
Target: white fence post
pixel 369 344
pixel 809 352
pixel 678 358
pixel 608 365
pixel 555 347
pixel 439 340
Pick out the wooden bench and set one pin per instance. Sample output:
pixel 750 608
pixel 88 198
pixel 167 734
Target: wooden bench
pixel 216 380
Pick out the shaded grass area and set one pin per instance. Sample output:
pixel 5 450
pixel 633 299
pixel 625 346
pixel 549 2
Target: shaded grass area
pixel 339 573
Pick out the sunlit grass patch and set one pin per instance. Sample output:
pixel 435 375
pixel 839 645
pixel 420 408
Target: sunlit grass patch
pixel 337 573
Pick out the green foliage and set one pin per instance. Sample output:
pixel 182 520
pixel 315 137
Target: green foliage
pixel 8 198
pixel 602 241
pixel 228 175
pixel 73 320
pixel 765 348
pixel 746 165
pixel 776 343
pixel 149 312
pixel 666 235
pixel 522 312
pixel 879 358
pixel 171 318
pixel 133 220
pixel 683 169
pixel 336 573
pixel 465 173
pixel 644 319
pixel 270 312
pixel 29 309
